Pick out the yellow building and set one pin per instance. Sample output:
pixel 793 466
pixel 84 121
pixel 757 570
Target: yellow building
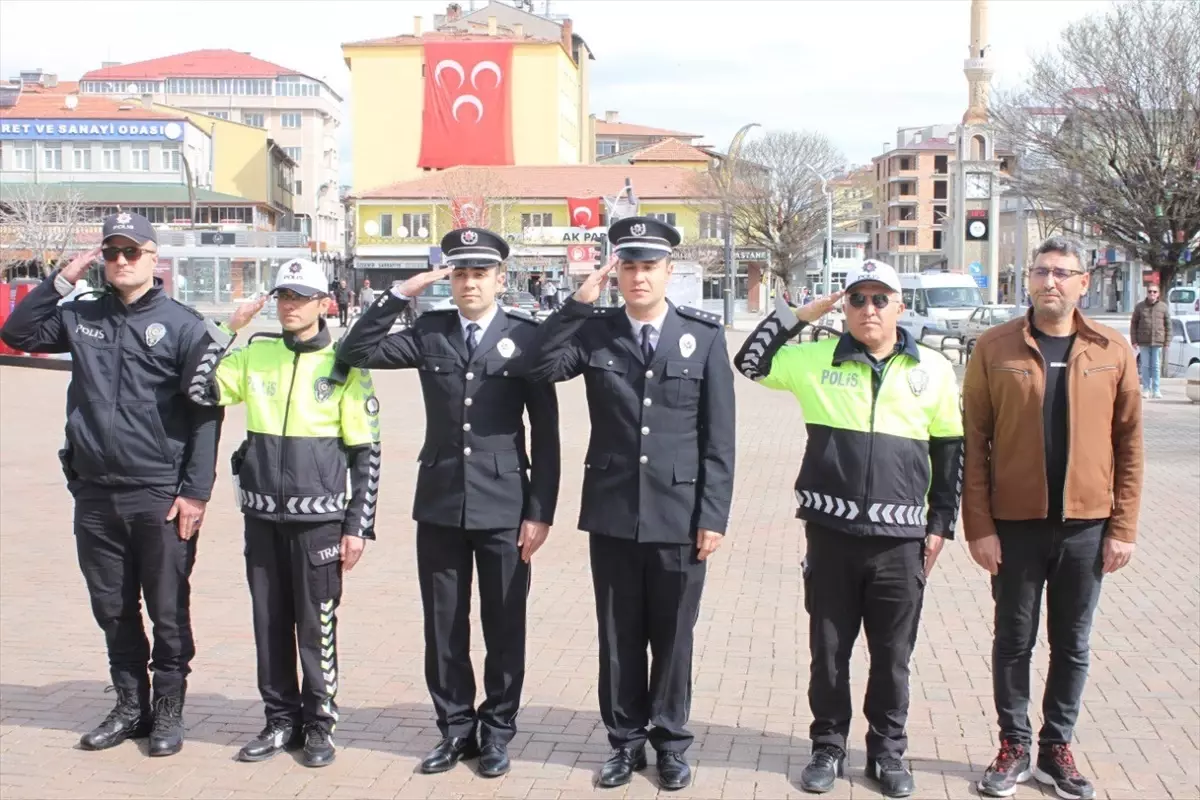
pixel 548 92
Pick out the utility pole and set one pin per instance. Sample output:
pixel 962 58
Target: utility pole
pixel 725 181
pixel 827 268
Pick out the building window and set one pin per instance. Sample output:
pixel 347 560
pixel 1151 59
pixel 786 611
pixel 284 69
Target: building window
pixel 941 164
pixel 219 114
pixel 170 158
pixel 544 220
pixel 299 186
pixel 23 158
pixel 111 159
pixel 82 157
pixel 937 240
pixel 52 157
pixel 141 159
pixel 385 225
pixel 906 162
pixel 668 218
pixel 712 226
pixel 290 120
pixel 605 148
pixel 939 190
pixel 293 153
pixel 939 215
pixel 255 120
pixel 414 223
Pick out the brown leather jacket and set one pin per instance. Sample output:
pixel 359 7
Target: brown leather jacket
pixel 1005 467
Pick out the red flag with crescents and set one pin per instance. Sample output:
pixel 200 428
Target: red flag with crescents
pixel 584 212
pixel 467 118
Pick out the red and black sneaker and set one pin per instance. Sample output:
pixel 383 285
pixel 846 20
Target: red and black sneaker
pixel 1010 767
pixel 1056 767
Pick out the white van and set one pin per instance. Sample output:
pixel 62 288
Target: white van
pixel 1183 300
pixel 937 303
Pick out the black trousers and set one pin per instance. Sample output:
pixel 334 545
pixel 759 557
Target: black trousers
pixel 878 583
pixel 127 550
pixel 1066 560
pixel 295 576
pixel 646 594
pixel 446 560
pixel 343 312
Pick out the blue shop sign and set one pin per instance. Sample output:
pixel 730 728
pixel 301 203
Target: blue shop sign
pixel 90 129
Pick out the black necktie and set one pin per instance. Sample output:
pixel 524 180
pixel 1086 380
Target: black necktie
pixel 647 348
pixel 472 329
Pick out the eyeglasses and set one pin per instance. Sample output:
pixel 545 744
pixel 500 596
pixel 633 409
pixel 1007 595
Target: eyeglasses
pixel 1041 273
pixel 131 253
pixel 859 300
pixel 288 296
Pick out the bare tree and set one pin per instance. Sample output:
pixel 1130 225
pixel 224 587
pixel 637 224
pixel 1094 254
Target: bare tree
pixel 477 197
pixel 40 224
pixel 1107 130
pixel 775 198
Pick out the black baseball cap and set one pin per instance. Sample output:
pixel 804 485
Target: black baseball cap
pixel 131 226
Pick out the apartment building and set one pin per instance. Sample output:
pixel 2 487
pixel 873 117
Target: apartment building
pixel 614 136
pixel 912 191
pixel 300 113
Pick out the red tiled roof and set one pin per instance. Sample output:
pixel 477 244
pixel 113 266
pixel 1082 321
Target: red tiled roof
pixel 669 150
pixel 408 40
pixel 197 63
pixel 37 105
pixel 575 180
pixel 627 129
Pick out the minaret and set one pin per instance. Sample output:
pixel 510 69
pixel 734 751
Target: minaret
pixel 977 67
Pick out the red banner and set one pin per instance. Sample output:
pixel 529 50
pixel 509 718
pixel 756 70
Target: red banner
pixel 469 212
pixel 584 212
pixel 467 117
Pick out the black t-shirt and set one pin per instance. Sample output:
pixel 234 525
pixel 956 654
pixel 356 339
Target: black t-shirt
pixel 1055 351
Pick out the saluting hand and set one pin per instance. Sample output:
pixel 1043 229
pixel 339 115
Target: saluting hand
pixel 421 281
pixel 352 550
pixel 589 291
pixel 246 312
pixel 707 543
pixel 79 265
pixel 817 308
pixel 533 536
pixel 190 513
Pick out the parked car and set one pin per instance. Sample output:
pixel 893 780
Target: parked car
pixel 435 298
pixel 1184 348
pixel 986 317
pixel 522 300
pixel 1183 300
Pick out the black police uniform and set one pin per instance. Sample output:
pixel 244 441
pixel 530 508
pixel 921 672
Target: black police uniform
pixel 133 444
pixel 475 486
pixel 659 466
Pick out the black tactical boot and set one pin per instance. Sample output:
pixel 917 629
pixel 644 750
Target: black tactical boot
pixel 127 720
pixel 166 738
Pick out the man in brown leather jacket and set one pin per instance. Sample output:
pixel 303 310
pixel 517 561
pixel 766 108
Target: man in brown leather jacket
pixel 1052 484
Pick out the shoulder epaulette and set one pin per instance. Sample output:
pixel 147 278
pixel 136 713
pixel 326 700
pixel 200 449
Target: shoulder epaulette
pixel 699 315
pixel 187 308
pixel 520 314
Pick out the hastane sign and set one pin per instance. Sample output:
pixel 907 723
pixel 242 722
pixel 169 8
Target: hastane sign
pixel 91 129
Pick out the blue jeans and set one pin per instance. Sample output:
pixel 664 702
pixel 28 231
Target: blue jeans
pixel 1151 368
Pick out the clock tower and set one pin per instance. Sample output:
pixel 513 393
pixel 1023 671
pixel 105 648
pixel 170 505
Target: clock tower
pixel 973 243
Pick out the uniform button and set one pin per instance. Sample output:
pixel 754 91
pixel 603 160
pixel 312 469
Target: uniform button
pixel 468 401
pixel 647 402
pixel 649 373
pixel 436 368
pixel 645 431
pixel 506 373
pixel 470 376
pixel 466 451
pixel 685 371
pixel 610 362
pixel 644 459
pixel 467 427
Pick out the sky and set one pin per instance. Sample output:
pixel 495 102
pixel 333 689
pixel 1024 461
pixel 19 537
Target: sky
pixel 855 70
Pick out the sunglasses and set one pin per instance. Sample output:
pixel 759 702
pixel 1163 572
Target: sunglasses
pixel 859 300
pixel 131 253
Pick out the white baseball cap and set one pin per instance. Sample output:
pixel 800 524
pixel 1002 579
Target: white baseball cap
pixel 871 271
pixel 302 277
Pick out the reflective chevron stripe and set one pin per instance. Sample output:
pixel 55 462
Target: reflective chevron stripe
pixel 374 462
pixel 328 662
pixel 896 514
pixel 202 388
pixel 257 502
pixel 827 504
pixel 757 345
pixel 319 504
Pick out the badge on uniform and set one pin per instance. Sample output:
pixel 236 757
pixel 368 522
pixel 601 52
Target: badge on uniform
pixel 372 406
pixel 687 345
pixel 154 333
pixel 323 389
pixel 918 379
pixel 506 347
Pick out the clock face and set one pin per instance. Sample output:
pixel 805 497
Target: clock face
pixel 979 185
pixel 977 229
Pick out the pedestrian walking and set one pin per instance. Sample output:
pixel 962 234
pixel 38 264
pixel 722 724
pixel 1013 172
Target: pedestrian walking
pixel 1053 483
pixel 312 423
pixel 1150 329
pixel 341 296
pixel 139 460
pixel 657 485
pixel 366 296
pixel 480 496
pixel 549 295
pixel 878 491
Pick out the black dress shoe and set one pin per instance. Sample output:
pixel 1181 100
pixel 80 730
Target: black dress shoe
pixel 126 721
pixel 318 746
pixel 894 778
pixel 449 752
pixel 279 735
pixel 673 771
pixel 493 760
pixel 166 737
pixel 621 765
pixel 827 764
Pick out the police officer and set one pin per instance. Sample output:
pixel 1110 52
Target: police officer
pixel 657 485
pixel 878 491
pixel 479 498
pixel 310 420
pixel 140 461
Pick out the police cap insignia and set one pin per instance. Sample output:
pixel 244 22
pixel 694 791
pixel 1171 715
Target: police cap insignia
pixel 469 237
pixel 637 229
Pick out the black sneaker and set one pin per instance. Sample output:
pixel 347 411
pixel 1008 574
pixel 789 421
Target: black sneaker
pixel 318 746
pixel 1010 767
pixel 893 777
pixel 825 766
pixel 279 735
pixel 1056 767
pixel 166 737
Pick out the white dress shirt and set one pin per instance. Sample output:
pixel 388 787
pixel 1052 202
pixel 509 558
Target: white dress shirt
pixel 656 326
pixel 482 322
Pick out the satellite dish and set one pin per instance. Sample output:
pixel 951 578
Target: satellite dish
pixel 371 227
pixel 132 88
pixel 72 102
pixel 423 232
pixel 403 231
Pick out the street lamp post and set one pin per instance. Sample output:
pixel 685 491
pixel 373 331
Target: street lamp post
pixel 827 270
pixel 725 180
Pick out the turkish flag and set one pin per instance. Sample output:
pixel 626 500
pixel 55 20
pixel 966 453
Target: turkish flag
pixel 469 212
pixel 467 117
pixel 584 212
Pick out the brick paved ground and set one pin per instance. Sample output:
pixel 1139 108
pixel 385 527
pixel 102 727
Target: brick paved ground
pixel 1139 733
